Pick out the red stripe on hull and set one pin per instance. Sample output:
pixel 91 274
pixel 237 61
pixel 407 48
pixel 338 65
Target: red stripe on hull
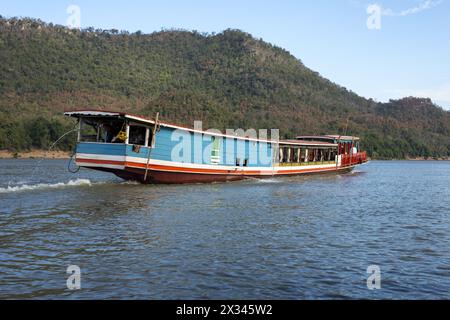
pixel 156 167
pixel 166 177
pixel 170 168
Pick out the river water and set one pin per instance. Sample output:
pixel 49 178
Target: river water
pixel 288 238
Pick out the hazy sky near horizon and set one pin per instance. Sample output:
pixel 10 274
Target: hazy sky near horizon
pixel 404 52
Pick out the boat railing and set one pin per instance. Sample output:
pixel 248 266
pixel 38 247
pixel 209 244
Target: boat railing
pixel 348 160
pixel 300 164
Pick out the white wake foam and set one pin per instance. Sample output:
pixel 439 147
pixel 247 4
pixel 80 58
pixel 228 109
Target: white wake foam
pixel 264 180
pixel 42 186
pixel 270 180
pixel 131 183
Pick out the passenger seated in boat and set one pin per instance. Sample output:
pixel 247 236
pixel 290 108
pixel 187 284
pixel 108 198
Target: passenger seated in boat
pixel 109 133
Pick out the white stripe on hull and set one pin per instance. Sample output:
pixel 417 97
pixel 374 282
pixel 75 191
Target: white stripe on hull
pixel 263 171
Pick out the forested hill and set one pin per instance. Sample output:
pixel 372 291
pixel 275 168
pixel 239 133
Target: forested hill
pixel 228 80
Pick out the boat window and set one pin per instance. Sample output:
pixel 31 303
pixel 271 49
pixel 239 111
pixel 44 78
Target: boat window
pixel 238 162
pixel 286 154
pixel 320 155
pixel 325 155
pixel 294 155
pixel 101 130
pixel 109 131
pixel 303 155
pixel 88 130
pixel 215 150
pixel 311 155
pixel 246 163
pixel 137 135
pixel 332 154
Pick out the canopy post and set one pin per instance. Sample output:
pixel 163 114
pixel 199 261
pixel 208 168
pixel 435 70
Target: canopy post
pixel 150 148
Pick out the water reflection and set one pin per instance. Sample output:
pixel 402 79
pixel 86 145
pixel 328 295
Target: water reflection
pixel 288 238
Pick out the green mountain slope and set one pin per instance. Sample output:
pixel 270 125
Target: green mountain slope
pixel 228 80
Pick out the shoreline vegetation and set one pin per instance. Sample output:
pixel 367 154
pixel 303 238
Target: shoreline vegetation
pixel 422 159
pixel 34 154
pixel 227 80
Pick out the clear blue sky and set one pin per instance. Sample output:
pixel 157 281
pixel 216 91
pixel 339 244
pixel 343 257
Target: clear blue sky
pixel 408 55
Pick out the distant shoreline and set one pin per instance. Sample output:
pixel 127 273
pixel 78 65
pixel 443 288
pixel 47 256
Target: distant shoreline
pixel 425 159
pixel 42 154
pixel 34 154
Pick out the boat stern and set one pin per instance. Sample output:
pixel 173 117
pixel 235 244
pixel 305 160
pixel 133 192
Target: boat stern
pixel 101 156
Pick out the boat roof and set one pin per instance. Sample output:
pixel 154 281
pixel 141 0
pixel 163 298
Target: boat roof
pixel 308 143
pixel 144 120
pixel 332 137
pixel 107 114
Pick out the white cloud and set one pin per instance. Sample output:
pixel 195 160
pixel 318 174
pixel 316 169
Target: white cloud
pixel 422 6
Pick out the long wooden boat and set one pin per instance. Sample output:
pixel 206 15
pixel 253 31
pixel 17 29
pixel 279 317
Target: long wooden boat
pixel 150 151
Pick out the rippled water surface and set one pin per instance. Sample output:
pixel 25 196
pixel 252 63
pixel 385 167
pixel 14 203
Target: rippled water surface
pixel 289 238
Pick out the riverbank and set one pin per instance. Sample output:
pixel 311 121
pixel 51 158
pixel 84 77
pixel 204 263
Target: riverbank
pixel 428 159
pixel 34 154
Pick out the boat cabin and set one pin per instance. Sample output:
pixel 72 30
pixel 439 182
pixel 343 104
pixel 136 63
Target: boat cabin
pixel 114 128
pixel 297 152
pixel 345 144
